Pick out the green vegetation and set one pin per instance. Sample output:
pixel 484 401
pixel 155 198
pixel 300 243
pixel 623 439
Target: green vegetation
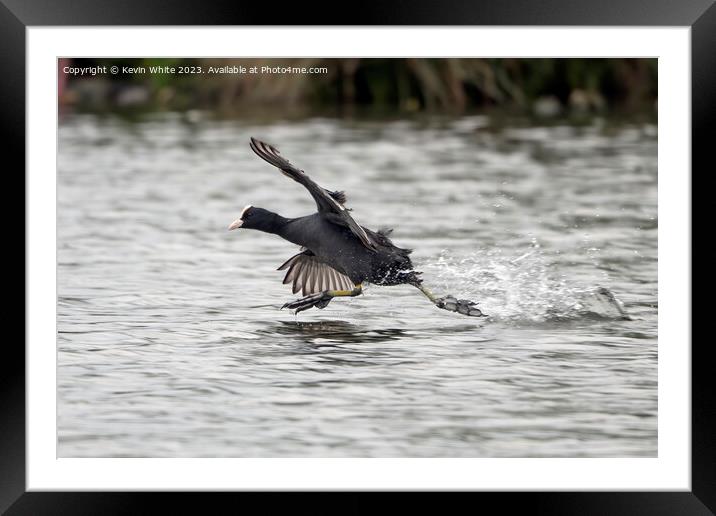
pixel 546 87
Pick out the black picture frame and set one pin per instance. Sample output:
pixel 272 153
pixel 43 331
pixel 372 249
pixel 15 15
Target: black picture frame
pixel 17 15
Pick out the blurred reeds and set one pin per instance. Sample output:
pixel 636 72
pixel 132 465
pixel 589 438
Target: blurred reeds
pixel 540 86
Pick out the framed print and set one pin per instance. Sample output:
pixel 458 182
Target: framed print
pixel 481 221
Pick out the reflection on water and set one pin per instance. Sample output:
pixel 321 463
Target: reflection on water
pixel 328 332
pixel 171 341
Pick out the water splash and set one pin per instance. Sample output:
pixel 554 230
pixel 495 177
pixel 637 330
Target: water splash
pixel 514 286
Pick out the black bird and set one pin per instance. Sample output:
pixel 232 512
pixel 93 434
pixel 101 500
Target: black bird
pixel 337 255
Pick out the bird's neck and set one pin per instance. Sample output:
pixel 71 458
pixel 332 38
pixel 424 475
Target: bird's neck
pixel 275 224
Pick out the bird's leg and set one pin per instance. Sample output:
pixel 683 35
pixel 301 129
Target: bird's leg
pixel 321 299
pixel 451 304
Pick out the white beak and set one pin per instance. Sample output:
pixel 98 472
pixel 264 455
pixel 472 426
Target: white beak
pixel 238 222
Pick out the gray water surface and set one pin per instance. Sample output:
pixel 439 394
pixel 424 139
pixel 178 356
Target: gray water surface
pixel 170 338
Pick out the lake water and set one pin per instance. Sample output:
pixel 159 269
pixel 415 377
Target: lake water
pixel 170 338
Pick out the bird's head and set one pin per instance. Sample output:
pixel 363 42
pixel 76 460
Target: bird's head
pixel 254 218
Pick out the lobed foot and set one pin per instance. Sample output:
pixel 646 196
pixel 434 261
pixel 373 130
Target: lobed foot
pixel 462 306
pixel 319 300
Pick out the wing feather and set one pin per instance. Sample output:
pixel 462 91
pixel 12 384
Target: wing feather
pixel 327 202
pixel 338 282
pixel 341 283
pixel 312 280
pixel 331 279
pixel 298 277
pixel 324 278
pixel 309 274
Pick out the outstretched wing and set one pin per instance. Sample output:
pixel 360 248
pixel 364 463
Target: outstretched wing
pixel 312 275
pixel 329 203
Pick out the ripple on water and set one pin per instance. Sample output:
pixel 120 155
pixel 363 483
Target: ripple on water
pixel 170 337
